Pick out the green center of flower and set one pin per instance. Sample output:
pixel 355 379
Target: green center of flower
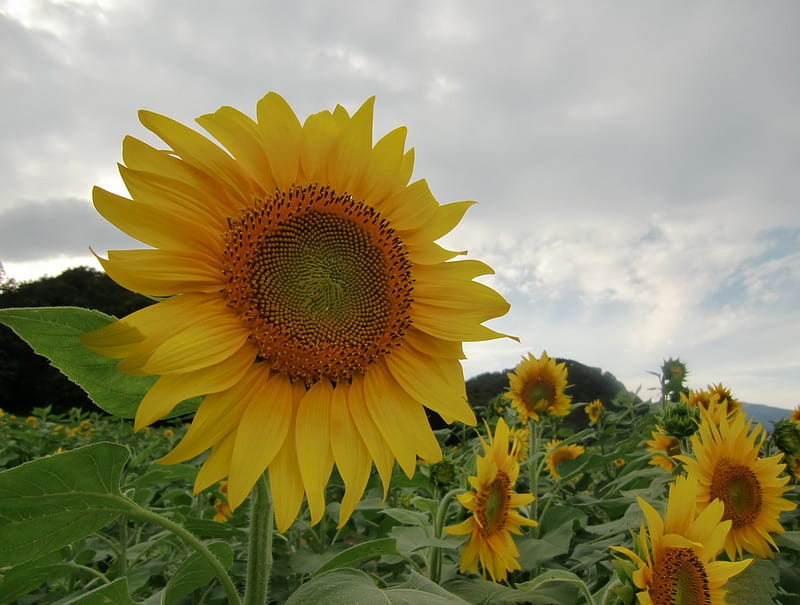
pixel 737 486
pixel 493 501
pixel 679 578
pixel 321 280
pixel 538 396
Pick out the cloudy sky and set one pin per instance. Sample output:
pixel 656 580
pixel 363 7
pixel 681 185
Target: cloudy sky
pixel 636 164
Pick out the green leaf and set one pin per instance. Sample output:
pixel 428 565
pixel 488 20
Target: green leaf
pixel 115 593
pixel 419 589
pixel 22 579
pixel 755 585
pixel 341 586
pixel 195 572
pixel 557 575
pixel 359 553
pixel 54 332
pixel 48 503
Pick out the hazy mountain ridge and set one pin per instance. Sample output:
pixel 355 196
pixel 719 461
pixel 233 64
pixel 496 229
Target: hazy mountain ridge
pixel 765 414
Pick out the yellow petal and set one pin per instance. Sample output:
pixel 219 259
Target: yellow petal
pixel 349 452
pixel 241 136
pixel 164 273
pixel 436 383
pixel 218 415
pixel 312 436
pixel 169 390
pixel 400 419
pixel 410 208
pixel 269 410
pixel 319 133
pixel 216 466
pixel 385 176
pixel 198 151
pixel 380 452
pixel 285 482
pixel 351 154
pixel 282 135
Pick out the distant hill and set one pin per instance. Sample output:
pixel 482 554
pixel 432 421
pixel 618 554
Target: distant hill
pixel 765 414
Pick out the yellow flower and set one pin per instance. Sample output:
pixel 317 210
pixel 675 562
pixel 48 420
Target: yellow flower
pixel 169 433
pixel 663 447
pixel 2 413
pixel 594 410
pixel 224 511
pixel 795 415
pixel 619 462
pixel 557 453
pixel 676 560
pixel 31 420
pixel 522 435
pixel 85 424
pixel 727 466
pixel 492 501
pixel 724 396
pixel 304 295
pixel 536 387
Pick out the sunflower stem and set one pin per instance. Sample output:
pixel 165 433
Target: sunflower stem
pixel 259 549
pixel 435 572
pixel 533 473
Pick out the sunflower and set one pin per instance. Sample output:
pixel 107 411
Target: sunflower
pixel 676 561
pixel 492 501
pixel 793 417
pixel 536 387
pixel 302 292
pixel 727 466
pixel 594 410
pixel 663 447
pixel 557 453
pixel 522 435
pixel 725 397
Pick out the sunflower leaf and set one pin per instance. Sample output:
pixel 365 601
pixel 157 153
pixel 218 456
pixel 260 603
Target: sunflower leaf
pixel 115 592
pixel 345 586
pixel 195 572
pixel 51 502
pixel 359 553
pixel 54 333
pixel 754 586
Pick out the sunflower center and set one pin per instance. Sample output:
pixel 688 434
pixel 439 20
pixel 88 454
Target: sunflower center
pixel 679 578
pixel 493 501
pixel 737 486
pixel 321 280
pixel 538 396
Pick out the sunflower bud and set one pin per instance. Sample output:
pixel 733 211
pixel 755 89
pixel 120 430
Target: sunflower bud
pixel 443 473
pixel 787 437
pixel 680 420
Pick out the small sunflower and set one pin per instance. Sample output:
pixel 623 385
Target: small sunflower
pixel 302 292
pixel 522 435
pixel 536 388
pixel 594 410
pixel 619 462
pixel 676 559
pixel 663 447
pixel 793 417
pixel 557 453
pixel 492 501
pixel 727 466
pixel 725 397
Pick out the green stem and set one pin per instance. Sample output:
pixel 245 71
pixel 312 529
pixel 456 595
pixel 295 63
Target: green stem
pixel 259 552
pixel 134 511
pixel 122 560
pixel 438 523
pixel 533 472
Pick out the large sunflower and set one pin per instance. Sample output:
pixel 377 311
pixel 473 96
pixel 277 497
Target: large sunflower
pixel 536 388
pixel 303 295
pixel 676 553
pixel 727 466
pixel 492 501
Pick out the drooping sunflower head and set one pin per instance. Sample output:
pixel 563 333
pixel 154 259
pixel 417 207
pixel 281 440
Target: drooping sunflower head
pixel 537 388
pixel 492 503
pixel 302 293
pixel 663 447
pixel 676 554
pixel 522 435
pixel 558 452
pixel 594 410
pixel 786 436
pixel 727 465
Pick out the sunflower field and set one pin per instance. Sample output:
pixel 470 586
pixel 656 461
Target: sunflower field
pixel 87 517
pixel 288 421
